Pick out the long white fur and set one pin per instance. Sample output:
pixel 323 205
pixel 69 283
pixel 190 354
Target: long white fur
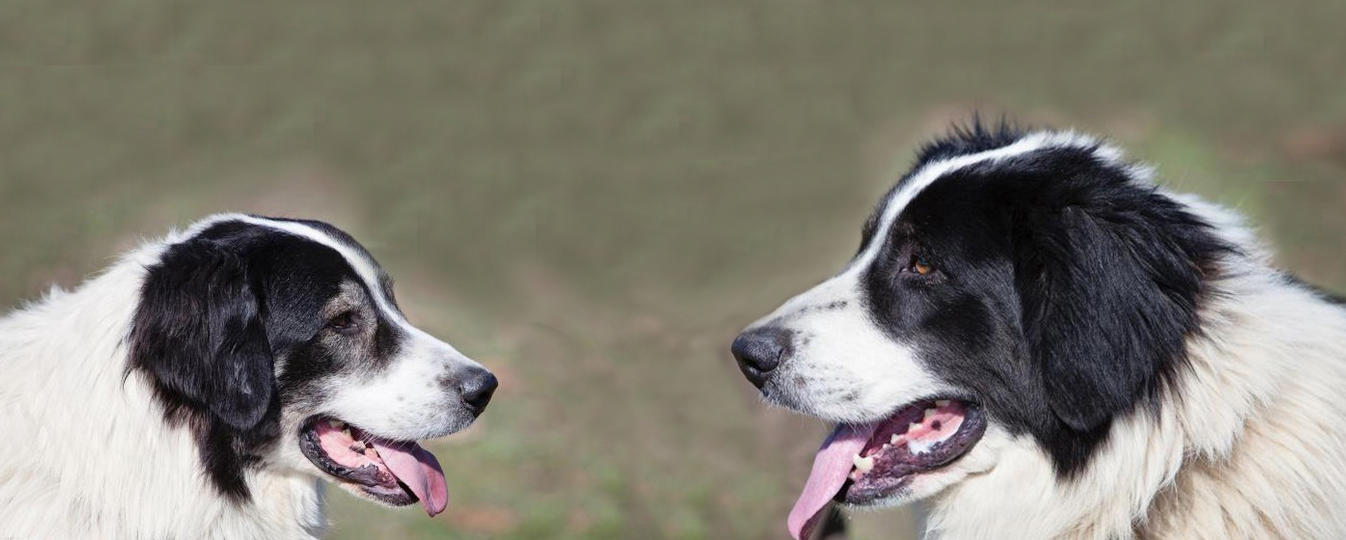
pixel 92 456
pixel 1247 443
pixel 1250 441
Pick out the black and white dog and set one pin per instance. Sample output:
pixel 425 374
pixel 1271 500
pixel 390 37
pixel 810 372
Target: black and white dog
pixel 1042 343
pixel 206 384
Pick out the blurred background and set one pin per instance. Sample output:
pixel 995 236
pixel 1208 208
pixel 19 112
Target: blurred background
pixel 592 198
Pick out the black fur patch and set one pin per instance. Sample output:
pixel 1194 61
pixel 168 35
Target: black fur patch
pixel 216 315
pixel 385 281
pixel 963 139
pixel 1062 293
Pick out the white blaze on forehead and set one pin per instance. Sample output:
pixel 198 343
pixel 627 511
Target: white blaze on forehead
pixel 358 261
pixel 363 266
pixel 931 172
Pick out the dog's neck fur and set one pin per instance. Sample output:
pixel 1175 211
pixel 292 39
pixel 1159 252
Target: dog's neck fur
pixel 1231 452
pixel 65 382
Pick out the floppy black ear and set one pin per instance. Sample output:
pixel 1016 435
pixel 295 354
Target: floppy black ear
pixel 1109 284
pixel 198 332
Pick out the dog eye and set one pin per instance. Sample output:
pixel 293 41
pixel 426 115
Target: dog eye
pixel 920 266
pixel 344 323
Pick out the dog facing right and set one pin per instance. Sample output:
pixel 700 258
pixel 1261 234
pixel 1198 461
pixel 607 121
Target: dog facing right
pixel 1042 343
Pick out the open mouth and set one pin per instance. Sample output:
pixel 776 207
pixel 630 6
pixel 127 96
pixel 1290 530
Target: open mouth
pixel 862 464
pixel 393 472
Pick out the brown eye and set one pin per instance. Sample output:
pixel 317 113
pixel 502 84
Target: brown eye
pixel 920 266
pixel 344 323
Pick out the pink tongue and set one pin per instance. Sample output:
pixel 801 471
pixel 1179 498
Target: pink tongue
pixel 830 468
pixel 419 470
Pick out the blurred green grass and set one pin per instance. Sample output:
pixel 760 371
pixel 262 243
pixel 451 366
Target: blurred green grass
pixel 593 197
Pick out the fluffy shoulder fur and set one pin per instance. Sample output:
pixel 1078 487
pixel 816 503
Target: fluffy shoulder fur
pixel 65 379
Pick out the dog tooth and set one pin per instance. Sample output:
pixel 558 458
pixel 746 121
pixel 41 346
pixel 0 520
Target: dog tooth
pixel 337 424
pixel 929 413
pixel 913 427
pixel 941 403
pixel 893 441
pixel 863 464
pixel 920 447
pixel 359 446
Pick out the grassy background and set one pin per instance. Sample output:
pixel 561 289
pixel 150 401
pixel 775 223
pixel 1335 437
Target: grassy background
pixel 593 197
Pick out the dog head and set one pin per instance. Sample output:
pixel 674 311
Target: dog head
pixel 280 344
pixel 1010 284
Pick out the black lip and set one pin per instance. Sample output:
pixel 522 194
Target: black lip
pixel 375 482
pixel 904 466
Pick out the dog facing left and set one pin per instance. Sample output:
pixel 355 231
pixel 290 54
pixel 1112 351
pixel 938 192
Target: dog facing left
pixel 207 385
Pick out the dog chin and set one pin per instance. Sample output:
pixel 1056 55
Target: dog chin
pixel 920 487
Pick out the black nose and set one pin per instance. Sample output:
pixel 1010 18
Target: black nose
pixel 759 351
pixel 476 387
